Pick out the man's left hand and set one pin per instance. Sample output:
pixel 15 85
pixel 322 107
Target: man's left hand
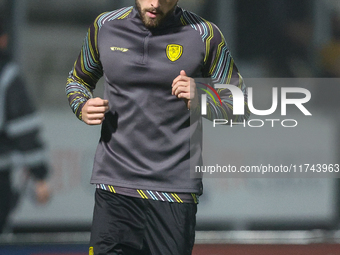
pixel 184 87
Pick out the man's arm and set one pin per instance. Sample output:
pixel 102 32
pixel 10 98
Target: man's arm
pixel 221 68
pixel 82 80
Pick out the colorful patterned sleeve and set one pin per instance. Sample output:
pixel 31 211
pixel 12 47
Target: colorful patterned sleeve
pixel 221 68
pixel 86 72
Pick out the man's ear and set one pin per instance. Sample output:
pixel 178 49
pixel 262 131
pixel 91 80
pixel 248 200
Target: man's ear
pixel 3 41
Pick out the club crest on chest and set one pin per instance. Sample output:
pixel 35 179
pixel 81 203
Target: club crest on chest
pixel 174 52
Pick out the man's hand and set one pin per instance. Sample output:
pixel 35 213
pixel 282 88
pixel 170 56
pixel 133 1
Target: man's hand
pixel 42 192
pixel 94 110
pixel 185 87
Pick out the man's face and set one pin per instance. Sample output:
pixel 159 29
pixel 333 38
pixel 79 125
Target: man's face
pixel 154 12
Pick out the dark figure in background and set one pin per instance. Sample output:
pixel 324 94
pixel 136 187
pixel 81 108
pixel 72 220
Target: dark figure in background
pixel 20 146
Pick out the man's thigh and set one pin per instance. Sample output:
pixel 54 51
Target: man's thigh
pixel 171 228
pixel 118 224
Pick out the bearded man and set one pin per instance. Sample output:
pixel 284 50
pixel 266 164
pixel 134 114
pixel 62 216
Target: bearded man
pixel 150 56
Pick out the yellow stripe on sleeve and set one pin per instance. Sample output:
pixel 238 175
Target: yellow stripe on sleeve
pixel 208 41
pixel 125 15
pixel 218 54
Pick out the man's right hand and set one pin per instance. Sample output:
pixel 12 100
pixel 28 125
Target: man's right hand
pixel 94 110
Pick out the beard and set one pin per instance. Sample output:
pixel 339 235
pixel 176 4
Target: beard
pixel 153 22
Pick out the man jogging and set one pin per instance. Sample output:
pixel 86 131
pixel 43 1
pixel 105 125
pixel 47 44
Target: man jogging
pixel 150 56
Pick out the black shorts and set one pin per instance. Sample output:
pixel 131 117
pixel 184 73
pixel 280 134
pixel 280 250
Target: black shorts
pixel 133 226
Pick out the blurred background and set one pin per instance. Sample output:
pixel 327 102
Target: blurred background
pixel 268 39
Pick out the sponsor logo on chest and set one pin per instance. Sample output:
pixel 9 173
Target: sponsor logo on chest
pixel 119 49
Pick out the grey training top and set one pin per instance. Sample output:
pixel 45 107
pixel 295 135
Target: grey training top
pixel 145 138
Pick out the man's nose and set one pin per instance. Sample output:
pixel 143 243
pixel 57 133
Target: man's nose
pixel 155 3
